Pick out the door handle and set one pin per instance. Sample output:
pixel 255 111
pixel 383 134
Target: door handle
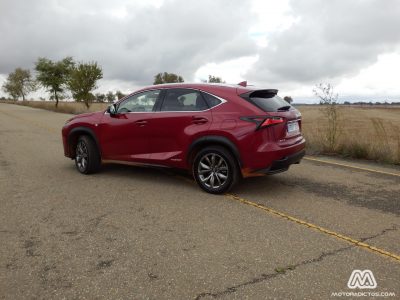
pixel 141 123
pixel 199 120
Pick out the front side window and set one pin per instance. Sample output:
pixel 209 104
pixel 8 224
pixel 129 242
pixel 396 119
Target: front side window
pixel 143 102
pixel 183 100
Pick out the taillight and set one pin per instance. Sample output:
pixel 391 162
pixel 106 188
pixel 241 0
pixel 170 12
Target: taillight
pixel 263 121
pixel 271 121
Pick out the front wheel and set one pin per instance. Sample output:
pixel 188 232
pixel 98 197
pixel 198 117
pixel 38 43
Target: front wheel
pixel 215 170
pixel 87 158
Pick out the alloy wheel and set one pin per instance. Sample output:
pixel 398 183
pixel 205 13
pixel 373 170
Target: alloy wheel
pixel 213 170
pixel 81 156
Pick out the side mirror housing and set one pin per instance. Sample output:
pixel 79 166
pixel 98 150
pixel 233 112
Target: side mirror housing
pixel 112 109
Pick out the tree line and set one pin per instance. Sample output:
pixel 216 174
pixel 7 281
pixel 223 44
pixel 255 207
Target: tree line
pixel 57 77
pixel 78 78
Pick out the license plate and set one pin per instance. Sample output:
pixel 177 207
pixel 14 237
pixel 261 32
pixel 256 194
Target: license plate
pixel 293 127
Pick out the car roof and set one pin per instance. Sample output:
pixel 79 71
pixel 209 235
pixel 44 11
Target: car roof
pixel 206 87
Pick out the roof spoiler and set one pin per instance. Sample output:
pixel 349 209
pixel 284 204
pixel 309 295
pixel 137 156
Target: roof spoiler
pixel 265 93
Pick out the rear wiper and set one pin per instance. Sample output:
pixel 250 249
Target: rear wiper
pixel 284 108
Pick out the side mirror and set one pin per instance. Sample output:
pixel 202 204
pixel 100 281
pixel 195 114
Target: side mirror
pixel 112 109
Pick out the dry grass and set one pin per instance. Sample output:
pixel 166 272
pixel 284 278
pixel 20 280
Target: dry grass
pixel 63 107
pixel 367 132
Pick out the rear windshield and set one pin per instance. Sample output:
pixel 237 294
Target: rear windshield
pixel 270 104
pixel 267 100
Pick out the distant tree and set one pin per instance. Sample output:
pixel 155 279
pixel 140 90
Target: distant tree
pixel 119 95
pixel 167 78
pixel 82 81
pixel 288 99
pixel 346 103
pixel 19 84
pixel 215 79
pixel 100 97
pixel 110 97
pixel 54 75
pixel 11 90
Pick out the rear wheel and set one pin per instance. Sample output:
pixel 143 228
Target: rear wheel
pixel 87 157
pixel 215 170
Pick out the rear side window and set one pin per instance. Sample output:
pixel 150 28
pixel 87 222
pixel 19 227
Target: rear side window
pixel 211 100
pixel 183 100
pixel 267 101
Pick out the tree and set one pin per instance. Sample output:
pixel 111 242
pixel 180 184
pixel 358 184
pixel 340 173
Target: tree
pixel 110 97
pixel 54 75
pixel 329 100
pixel 19 84
pixel 167 78
pixel 119 95
pixel 288 99
pixel 215 79
pixel 100 97
pixel 82 81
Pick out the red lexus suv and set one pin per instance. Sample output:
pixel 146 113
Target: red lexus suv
pixel 218 132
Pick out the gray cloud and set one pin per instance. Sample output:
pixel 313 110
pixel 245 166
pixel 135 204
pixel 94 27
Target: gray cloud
pixel 179 36
pixel 330 39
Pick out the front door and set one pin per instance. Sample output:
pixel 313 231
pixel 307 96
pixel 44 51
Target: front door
pixel 125 135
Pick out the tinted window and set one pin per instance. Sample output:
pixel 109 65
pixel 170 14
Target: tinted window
pixel 143 102
pixel 211 100
pixel 268 101
pixel 183 100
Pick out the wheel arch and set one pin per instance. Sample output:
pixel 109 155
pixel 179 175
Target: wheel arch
pixel 75 133
pixel 216 140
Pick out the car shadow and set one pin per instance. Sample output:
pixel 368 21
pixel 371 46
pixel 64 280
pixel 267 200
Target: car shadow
pixel 277 184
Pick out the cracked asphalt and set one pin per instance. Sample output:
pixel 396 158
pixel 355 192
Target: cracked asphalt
pixel 140 233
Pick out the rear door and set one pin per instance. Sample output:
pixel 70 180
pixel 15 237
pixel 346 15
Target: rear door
pixel 125 136
pixel 183 115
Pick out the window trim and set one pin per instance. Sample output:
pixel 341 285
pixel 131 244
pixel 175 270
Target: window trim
pixel 190 111
pixel 160 100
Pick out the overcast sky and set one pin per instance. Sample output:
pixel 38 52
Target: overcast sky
pixel 288 45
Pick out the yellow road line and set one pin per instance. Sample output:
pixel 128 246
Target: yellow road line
pixel 350 166
pixel 316 227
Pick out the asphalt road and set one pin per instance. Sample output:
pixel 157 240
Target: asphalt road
pixel 137 233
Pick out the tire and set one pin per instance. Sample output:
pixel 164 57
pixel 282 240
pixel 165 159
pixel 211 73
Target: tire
pixel 215 175
pixel 87 156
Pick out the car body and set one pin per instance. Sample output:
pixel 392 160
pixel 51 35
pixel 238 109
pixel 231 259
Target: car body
pixel 255 132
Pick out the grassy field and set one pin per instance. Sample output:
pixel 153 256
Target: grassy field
pixel 367 132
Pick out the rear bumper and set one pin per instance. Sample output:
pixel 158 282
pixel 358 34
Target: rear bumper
pixel 283 164
pixel 277 165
